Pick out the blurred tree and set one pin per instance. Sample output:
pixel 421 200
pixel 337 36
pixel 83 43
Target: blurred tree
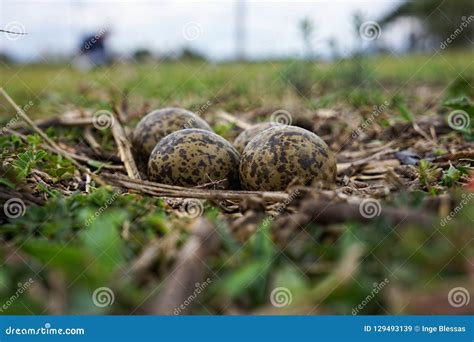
pixel 357 21
pixel 356 71
pixel 440 19
pixel 5 58
pixel 307 30
pixel 334 48
pixel 142 55
pixel 189 54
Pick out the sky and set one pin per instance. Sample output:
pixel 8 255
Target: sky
pixel 55 27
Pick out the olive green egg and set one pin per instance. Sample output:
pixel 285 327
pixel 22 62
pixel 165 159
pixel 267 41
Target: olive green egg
pixel 193 157
pixel 159 123
pixel 248 134
pixel 279 155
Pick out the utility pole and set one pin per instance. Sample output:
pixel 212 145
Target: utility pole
pixel 240 30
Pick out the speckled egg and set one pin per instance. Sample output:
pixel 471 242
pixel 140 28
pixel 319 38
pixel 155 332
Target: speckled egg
pixel 279 155
pixel 244 138
pixel 159 123
pixel 193 157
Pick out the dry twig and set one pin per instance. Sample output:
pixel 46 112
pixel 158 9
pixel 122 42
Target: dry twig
pixel 163 190
pixel 232 119
pixel 124 149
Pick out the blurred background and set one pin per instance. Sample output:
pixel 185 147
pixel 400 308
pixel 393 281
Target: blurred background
pixel 378 81
pixel 229 29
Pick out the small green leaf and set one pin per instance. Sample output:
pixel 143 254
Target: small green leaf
pixel 406 115
pixel 40 155
pixel 451 176
pixel 461 103
pixel 6 182
pixel 34 139
pixel 238 282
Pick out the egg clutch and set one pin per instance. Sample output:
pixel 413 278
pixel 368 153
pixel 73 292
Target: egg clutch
pixel 180 148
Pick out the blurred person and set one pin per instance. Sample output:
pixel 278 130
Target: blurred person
pixel 93 51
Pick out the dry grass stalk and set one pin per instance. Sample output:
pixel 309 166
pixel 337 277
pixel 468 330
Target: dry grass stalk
pixel 124 149
pixel 232 119
pixel 163 190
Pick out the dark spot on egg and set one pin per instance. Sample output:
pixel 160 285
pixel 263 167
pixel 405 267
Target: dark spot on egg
pixel 244 138
pixel 281 154
pixel 198 157
pixel 158 124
